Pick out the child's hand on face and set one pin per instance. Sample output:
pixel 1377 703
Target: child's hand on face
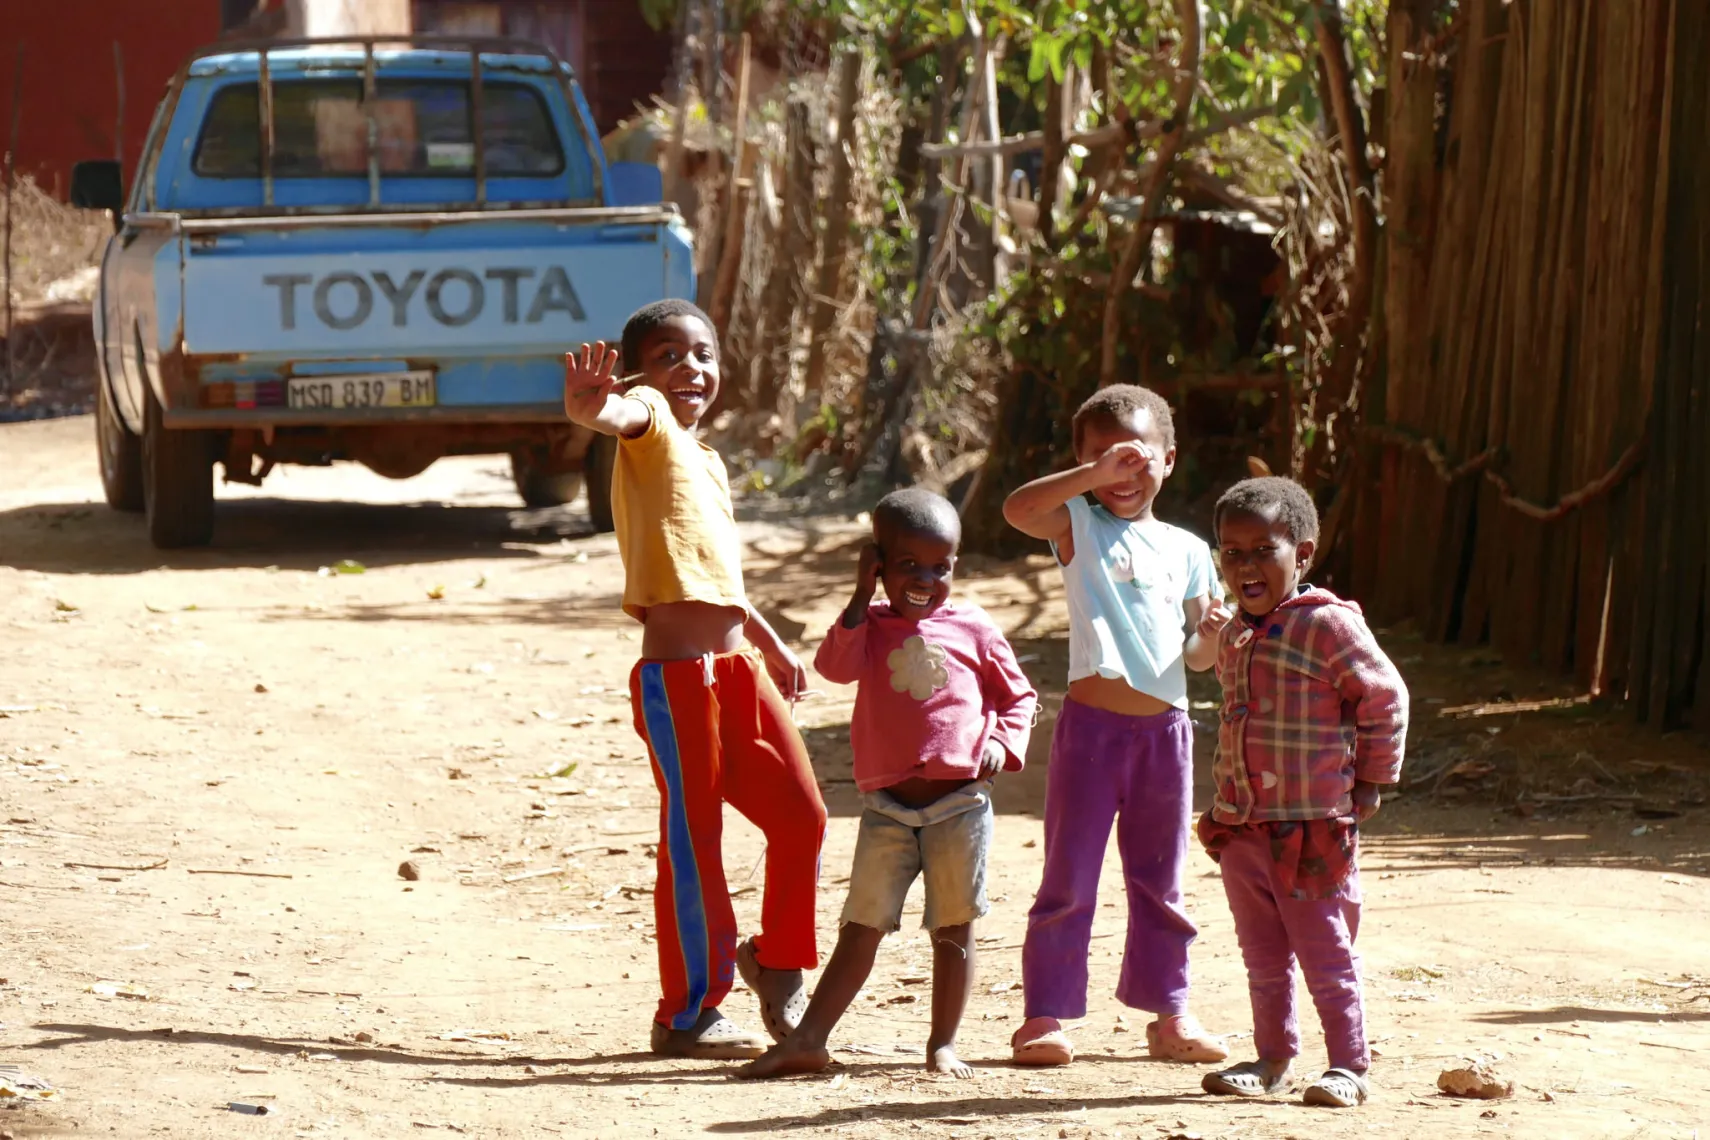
pixel 1368 797
pixel 1122 462
pixel 867 571
pixel 1217 615
pixel 991 759
pixel 589 379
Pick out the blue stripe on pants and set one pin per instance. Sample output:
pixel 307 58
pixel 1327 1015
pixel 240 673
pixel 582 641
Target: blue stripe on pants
pixel 692 938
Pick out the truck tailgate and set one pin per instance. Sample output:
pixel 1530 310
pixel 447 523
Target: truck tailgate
pixel 485 304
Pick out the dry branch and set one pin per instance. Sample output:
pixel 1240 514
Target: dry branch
pixel 1140 237
pixel 155 866
pixel 827 294
pixel 735 204
pixel 1126 131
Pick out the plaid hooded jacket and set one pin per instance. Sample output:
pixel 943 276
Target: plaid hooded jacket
pixel 1310 704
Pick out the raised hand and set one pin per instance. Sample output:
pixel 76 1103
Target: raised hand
pixel 1217 615
pixel 867 571
pixel 1122 462
pixel 590 378
pixel 866 584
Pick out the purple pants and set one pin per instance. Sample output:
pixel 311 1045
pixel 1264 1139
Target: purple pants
pixel 1274 930
pixel 1135 771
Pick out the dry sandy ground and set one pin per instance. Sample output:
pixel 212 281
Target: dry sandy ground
pixel 236 710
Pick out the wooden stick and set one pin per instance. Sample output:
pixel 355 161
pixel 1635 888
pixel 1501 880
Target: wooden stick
pixel 1098 136
pixel 827 298
pixel 119 866
pixel 735 213
pixel 246 874
pixel 10 177
pixel 540 874
pixel 1139 239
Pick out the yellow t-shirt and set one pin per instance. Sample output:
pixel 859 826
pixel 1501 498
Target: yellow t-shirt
pixel 671 510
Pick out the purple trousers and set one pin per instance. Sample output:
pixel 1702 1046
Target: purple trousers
pixel 1136 772
pixel 1274 931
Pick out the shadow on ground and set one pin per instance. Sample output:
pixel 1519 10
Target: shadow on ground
pixel 89 538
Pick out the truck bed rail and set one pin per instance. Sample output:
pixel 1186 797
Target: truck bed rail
pixel 476 46
pixel 605 215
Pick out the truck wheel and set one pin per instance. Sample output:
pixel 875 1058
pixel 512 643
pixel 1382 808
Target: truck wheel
pixel 598 464
pixel 120 453
pixel 537 486
pixel 178 482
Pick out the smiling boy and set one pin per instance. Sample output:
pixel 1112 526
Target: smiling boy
pixel 716 728
pixel 941 707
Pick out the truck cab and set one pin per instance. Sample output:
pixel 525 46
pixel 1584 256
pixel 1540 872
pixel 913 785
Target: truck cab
pixel 374 250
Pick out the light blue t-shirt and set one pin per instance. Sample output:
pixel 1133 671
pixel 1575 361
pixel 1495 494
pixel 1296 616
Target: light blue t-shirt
pixel 1126 588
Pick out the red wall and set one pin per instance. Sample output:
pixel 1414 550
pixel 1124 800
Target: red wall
pixel 69 103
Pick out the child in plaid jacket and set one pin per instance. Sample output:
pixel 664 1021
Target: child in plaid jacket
pixel 1313 726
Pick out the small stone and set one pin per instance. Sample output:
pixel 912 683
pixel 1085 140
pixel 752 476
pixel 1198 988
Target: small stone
pixel 1477 1080
pixel 260 688
pixel 409 870
pixel 365 1037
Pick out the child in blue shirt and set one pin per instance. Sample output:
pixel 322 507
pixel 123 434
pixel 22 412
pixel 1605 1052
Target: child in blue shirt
pixel 1123 748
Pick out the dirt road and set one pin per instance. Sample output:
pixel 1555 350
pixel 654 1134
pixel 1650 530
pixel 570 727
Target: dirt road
pixel 271 740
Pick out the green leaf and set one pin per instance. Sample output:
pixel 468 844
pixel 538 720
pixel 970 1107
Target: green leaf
pixel 1298 86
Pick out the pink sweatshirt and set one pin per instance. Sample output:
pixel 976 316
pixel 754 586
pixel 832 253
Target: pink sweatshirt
pixel 931 694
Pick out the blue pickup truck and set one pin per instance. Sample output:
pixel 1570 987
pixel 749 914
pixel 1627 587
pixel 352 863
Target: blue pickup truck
pixel 373 250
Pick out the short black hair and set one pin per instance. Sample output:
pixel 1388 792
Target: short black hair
pixel 918 511
pixel 649 317
pixel 1114 407
pixel 1272 496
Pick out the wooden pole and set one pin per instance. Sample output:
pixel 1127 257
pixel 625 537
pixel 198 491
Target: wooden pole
pixel 1169 145
pixel 11 172
pixel 680 118
pixel 735 213
pixel 827 297
pixel 788 284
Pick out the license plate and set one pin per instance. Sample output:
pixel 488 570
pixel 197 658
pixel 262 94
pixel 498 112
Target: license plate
pixel 377 390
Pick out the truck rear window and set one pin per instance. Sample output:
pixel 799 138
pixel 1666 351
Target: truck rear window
pixel 320 130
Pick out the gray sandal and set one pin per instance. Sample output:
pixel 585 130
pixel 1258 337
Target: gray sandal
pixel 713 1038
pixel 1337 1088
pixel 782 993
pixel 1246 1079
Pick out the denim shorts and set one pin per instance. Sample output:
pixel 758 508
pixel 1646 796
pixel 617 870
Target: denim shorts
pixel 945 841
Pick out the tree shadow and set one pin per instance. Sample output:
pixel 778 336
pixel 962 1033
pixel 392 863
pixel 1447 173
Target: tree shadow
pixel 724 1074
pixel 74 1035
pixel 89 538
pixel 921 1113
pixel 1562 1014
pixel 280 1046
pixel 1407 839
pixel 601 611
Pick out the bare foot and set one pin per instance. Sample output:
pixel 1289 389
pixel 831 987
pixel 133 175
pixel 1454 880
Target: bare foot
pixel 785 1058
pixel 942 1060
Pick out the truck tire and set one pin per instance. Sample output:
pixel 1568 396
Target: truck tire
pixel 598 464
pixel 539 487
pixel 119 450
pixel 178 482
